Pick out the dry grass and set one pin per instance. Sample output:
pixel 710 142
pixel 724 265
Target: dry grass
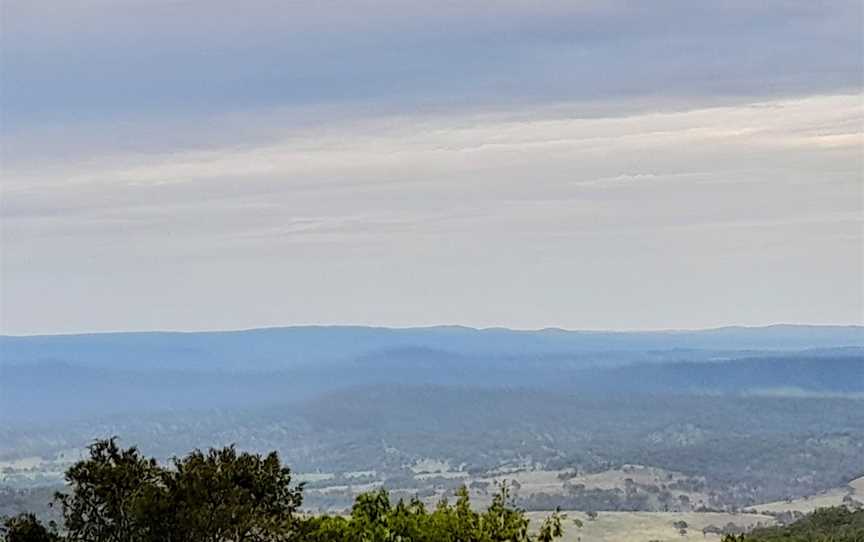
pixel 833 497
pixel 645 526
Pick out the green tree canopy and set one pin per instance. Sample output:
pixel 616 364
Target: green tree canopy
pixel 27 528
pixel 118 495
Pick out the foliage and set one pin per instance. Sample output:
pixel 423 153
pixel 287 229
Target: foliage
pixel 118 495
pixel 225 495
pixel 836 524
pixel 110 495
pixel 375 519
pixel 26 528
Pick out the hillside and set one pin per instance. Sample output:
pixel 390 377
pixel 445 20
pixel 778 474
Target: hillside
pixel 624 422
pixel 125 374
pixel 280 348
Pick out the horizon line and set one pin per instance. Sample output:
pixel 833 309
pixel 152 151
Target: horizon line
pixel 859 326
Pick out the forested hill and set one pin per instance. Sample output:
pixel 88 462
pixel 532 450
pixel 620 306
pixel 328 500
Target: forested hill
pixel 756 415
pixel 280 348
pixel 61 377
pixel 837 524
pixel 839 372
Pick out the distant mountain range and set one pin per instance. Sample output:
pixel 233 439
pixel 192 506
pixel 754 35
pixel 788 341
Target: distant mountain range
pixel 84 376
pixel 290 347
pixel 768 411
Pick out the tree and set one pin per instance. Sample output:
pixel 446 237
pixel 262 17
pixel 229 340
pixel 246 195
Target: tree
pixel 118 495
pixel 109 494
pixel 224 495
pixel 836 524
pixel 26 528
pixel 552 527
pixel 375 519
pixel 502 520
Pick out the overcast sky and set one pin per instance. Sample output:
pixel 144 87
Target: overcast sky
pixel 618 165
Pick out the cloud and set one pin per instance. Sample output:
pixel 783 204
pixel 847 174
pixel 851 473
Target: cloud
pixel 484 207
pixel 577 164
pixel 85 61
pixel 377 151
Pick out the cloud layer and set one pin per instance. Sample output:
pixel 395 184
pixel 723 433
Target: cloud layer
pixel 590 165
pixel 85 59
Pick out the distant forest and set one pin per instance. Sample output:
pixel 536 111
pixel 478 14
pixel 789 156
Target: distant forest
pixel 228 496
pixel 729 418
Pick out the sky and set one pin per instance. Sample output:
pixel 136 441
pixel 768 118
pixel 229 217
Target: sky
pixel 188 165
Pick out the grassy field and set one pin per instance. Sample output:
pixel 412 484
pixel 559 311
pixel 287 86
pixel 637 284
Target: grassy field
pixel 551 481
pixel 833 497
pixel 645 526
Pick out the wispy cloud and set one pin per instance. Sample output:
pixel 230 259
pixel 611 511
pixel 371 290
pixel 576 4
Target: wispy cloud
pixel 92 60
pixel 684 196
pixel 576 164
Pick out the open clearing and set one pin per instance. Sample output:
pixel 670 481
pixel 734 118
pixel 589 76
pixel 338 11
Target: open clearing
pixel 832 497
pixel 645 526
